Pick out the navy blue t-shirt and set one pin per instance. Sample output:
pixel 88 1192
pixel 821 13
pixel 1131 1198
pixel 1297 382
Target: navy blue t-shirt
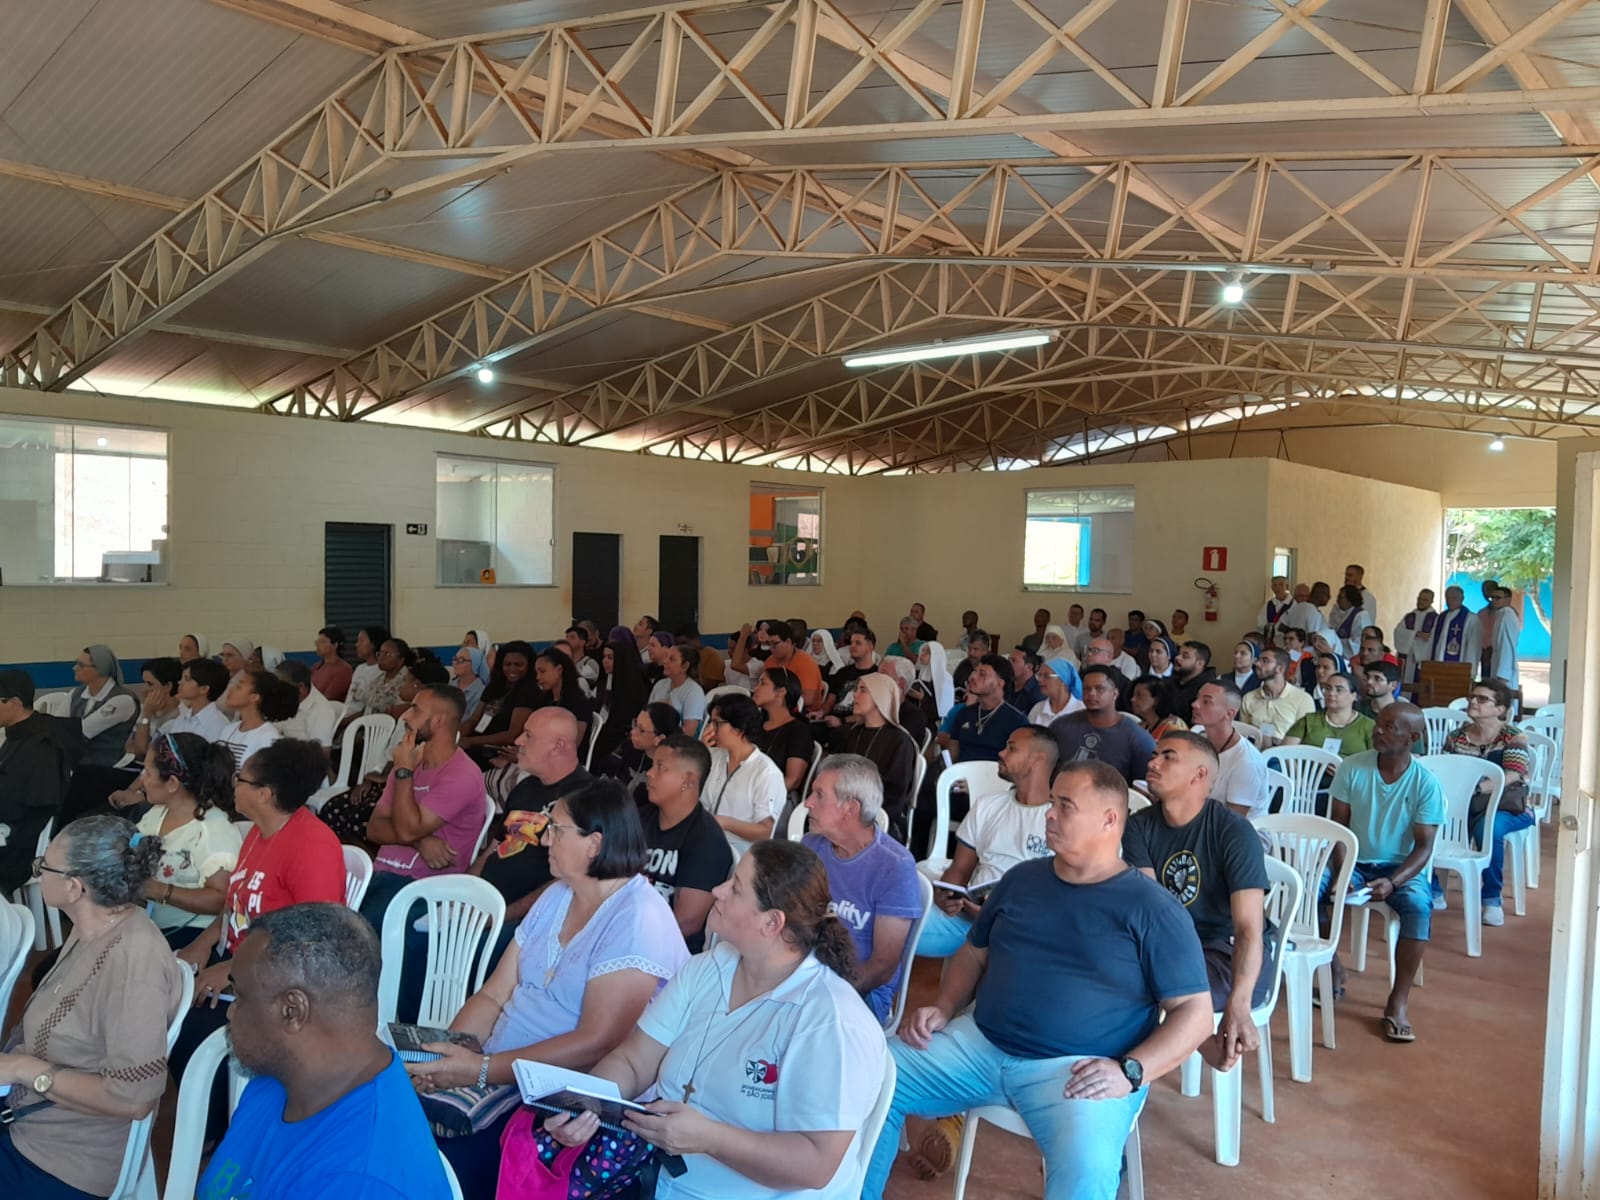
pixel 1080 968
pixel 984 744
pixel 373 1143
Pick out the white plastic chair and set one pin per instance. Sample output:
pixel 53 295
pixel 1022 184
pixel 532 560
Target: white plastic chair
pixel 817 755
pixel 16 940
pixel 1307 768
pixel 1361 919
pixel 595 723
pixel 374 730
pixel 56 704
pixel 726 689
pixel 1137 801
pixel 450 1177
pixel 908 955
pixel 491 810
pixel 464 915
pixel 194 1105
pixel 800 815
pixel 872 1128
pixel 1250 733
pixel 339 708
pixel 980 777
pixel 357 876
pixel 1284 889
pixel 1524 865
pixel 1003 1116
pixel 1553 725
pixel 46 920
pixel 1441 723
pixel 137 1179
pixel 1306 843
pixel 1459 774
pixel 1460 702
pixel 1279 789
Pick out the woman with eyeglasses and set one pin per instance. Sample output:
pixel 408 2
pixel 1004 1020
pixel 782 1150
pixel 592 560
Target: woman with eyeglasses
pixel 188 783
pixel 630 763
pixel 1490 735
pixel 288 857
pixel 92 1044
pixel 1337 722
pixel 593 950
pixel 469 671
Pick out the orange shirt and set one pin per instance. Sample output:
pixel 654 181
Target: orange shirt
pixel 806 670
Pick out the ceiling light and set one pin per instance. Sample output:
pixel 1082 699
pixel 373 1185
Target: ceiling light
pixel 1497 445
pixel 957 349
pixel 1232 292
pixel 485 374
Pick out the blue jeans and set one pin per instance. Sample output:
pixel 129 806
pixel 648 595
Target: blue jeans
pixel 1494 873
pixel 942 934
pixel 1081 1140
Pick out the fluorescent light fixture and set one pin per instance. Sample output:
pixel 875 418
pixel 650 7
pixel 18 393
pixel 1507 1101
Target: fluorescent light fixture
pixel 485 375
pixel 957 349
pixel 1497 445
pixel 1232 292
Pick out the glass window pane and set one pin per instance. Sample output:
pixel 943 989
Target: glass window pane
pixel 785 535
pixel 1079 539
pixel 495 521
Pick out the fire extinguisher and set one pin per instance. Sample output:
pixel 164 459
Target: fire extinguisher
pixel 1209 590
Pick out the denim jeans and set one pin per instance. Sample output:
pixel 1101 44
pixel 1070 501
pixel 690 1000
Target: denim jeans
pixel 1494 873
pixel 1081 1140
pixel 942 933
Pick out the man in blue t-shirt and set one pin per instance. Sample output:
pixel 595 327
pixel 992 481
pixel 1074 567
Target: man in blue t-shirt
pixel 872 879
pixel 1394 805
pixel 331 1114
pixel 1108 949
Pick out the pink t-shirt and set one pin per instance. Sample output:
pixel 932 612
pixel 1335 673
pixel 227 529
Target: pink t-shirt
pixel 455 794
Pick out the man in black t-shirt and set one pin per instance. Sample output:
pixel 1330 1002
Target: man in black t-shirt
pixel 687 851
pixel 1210 858
pixel 842 683
pixel 1191 671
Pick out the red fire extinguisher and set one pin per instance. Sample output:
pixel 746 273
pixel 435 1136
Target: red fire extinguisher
pixel 1209 589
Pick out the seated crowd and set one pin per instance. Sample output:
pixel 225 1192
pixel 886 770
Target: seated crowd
pixel 712 894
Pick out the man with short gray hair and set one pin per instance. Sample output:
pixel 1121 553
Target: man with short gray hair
pixel 871 877
pixel 331 1111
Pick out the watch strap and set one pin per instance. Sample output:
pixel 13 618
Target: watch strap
pixel 403 772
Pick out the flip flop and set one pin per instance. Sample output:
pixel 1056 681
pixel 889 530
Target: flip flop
pixel 1395 1032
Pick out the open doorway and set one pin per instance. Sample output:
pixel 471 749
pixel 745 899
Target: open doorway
pixel 1515 547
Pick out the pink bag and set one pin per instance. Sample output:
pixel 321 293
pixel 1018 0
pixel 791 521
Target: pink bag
pixel 523 1175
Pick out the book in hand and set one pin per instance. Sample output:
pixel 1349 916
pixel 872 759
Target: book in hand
pixel 409 1041
pixel 1356 897
pixel 977 894
pixel 558 1090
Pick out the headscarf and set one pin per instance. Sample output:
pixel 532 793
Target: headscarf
pixel 483 639
pixel 105 662
pixel 480 663
pixel 885 695
pixel 902 670
pixel 665 638
pixel 939 681
pixel 1063 670
pixel 271 657
pixel 623 636
pixel 1066 651
pixel 829 655
pixel 1326 641
pixel 1161 625
pixel 201 644
pixel 242 645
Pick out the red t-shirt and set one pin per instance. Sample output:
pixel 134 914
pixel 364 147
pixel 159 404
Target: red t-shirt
pixel 332 679
pixel 300 864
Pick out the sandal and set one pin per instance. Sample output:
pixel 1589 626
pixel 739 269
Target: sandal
pixel 1394 1031
pixel 935 1152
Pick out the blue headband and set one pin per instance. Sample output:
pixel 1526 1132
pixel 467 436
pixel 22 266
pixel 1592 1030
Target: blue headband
pixel 135 839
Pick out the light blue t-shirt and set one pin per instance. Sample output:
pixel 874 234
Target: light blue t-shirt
pixel 688 698
pixel 881 881
pixel 1382 814
pixel 372 1144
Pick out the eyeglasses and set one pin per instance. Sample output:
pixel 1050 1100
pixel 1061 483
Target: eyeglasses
pixel 1481 700
pixel 715 722
pixel 40 867
pixel 555 827
pixel 238 778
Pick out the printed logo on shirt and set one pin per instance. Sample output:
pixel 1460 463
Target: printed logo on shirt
pixel 1180 875
pixel 763 1077
pixel 1089 750
pixel 1036 847
pixel 850 913
pixel 661 863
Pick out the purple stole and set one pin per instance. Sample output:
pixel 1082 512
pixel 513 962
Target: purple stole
pixel 1345 625
pixel 1275 613
pixel 1454 632
pixel 1428 620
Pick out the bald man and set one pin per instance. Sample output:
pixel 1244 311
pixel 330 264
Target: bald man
pixel 1394 805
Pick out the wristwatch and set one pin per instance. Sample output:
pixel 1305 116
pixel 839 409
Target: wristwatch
pixel 1132 1071
pixel 403 772
pixel 43 1082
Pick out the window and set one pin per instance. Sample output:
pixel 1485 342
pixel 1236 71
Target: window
pixel 785 535
pixel 1079 539
pixel 81 503
pixel 1283 563
pixel 496 522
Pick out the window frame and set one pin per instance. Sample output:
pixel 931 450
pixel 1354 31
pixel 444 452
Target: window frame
pixel 1091 587
pixel 555 533
pixel 791 489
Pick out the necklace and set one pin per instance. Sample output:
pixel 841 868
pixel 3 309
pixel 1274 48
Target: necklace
pixel 755 1004
pixel 983 718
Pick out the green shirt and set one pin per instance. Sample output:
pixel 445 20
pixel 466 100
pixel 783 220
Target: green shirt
pixel 1313 730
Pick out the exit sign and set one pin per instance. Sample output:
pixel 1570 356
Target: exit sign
pixel 1214 558
pixel 417 527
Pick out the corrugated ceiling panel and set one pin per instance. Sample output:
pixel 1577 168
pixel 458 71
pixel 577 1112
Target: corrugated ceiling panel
pixel 53 241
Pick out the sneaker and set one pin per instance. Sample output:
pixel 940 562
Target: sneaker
pixel 1439 904
pixel 1494 914
pixel 935 1152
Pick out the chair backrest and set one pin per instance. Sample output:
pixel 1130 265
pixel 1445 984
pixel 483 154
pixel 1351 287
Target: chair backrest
pixel 872 1129
pixel 357 875
pixel 16 940
pixel 919 773
pixel 464 916
pixel 1250 733
pixel 1280 789
pixel 595 724
pixel 1554 727
pixel 56 704
pixel 1458 775
pixel 979 777
pixel 1460 702
pixel 908 954
pixel 1542 749
pixel 798 816
pixel 726 689
pixel 136 1160
pixel 1137 801
pixel 1307 768
pixel 1306 843
pixel 817 755
pixel 194 1104
pixel 927 740
pixel 1441 722
pixel 490 811
pixel 1285 888
pixel 1557 712
pixel 338 708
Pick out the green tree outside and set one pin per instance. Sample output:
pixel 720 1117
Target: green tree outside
pixel 1516 546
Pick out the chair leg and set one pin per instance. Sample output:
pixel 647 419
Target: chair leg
pixel 1472 902
pixel 1297 982
pixel 1359 917
pixel 1517 862
pixel 1269 1108
pixel 1533 854
pixel 1391 930
pixel 1227 1101
pixel 1189 1074
pixel 1325 986
pixel 1133 1166
pixel 969 1137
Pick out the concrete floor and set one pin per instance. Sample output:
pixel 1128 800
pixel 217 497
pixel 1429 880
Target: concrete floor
pixel 1455 1113
pixel 1378 1119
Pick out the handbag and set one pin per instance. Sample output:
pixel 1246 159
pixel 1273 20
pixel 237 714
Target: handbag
pixel 1513 800
pixel 610 1166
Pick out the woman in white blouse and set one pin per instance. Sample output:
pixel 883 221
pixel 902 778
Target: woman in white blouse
pixel 189 784
pixel 745 790
pixel 765 1058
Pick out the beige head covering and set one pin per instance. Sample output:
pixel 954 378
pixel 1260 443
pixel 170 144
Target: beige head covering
pixel 885 695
